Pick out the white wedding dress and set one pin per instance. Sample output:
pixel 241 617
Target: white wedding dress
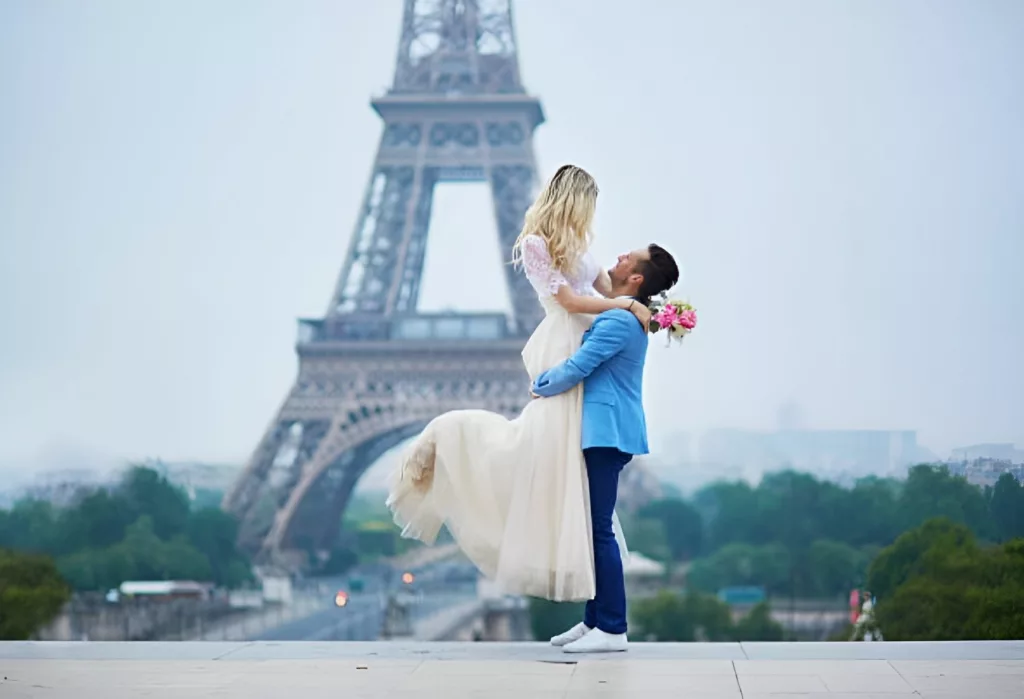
pixel 513 493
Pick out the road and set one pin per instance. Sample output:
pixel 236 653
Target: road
pixel 436 587
pixel 359 620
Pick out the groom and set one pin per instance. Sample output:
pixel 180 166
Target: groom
pixel 610 363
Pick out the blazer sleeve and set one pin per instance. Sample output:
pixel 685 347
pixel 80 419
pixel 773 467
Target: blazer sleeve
pixel 607 336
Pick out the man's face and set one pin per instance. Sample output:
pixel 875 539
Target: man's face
pixel 626 266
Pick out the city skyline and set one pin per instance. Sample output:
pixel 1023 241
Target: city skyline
pixel 841 184
pixel 721 454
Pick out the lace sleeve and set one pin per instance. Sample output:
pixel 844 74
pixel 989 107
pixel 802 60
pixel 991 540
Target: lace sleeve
pixel 539 268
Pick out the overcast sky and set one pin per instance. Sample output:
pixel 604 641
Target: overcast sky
pixel 844 181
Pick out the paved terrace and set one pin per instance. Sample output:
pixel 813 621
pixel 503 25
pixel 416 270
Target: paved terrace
pixel 296 670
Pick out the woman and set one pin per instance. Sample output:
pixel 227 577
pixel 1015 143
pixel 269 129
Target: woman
pixel 514 493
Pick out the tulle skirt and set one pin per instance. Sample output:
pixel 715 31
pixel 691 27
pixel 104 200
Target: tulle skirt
pixel 513 493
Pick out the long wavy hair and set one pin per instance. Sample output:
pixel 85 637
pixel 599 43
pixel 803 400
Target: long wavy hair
pixel 562 216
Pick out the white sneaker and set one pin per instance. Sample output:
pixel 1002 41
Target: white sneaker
pixel 574 634
pixel 597 641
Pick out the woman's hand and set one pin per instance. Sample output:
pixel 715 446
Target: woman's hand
pixel 642 312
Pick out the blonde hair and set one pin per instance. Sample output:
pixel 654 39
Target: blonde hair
pixel 561 215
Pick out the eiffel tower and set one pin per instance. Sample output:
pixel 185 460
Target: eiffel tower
pixel 373 371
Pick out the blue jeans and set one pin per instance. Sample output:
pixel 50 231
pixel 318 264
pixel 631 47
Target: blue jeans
pixel 607 611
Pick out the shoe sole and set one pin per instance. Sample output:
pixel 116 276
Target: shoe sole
pixel 595 650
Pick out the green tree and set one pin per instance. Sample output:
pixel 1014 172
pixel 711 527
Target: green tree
pixel 833 568
pixel 142 555
pixel 867 514
pixel 931 491
pixel 906 557
pixel 161 560
pixel 682 526
pixel 375 539
pixel 142 529
pixel 712 617
pixel 1007 506
pixel 214 533
pixel 663 617
pixel 731 513
pixel 742 564
pixel 758 625
pixel 182 561
pixel 97 520
pixel 673 617
pixel 548 619
pixel 669 616
pixel 940 585
pixel 207 497
pixel 31 525
pixel 647 537
pixel 153 496
pixel 341 559
pixel 32 593
pixel 366 507
pixel 796 508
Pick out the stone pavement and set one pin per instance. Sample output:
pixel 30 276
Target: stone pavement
pixel 975 670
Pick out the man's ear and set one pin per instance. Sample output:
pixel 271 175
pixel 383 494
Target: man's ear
pixel 636 278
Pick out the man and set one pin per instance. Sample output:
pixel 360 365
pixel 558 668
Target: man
pixel 610 363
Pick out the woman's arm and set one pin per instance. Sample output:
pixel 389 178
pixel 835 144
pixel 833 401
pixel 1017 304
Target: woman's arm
pixel 603 284
pixel 547 280
pixel 575 303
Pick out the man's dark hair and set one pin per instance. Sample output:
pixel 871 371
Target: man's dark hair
pixel 660 273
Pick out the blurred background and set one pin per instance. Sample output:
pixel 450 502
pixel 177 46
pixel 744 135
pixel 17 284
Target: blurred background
pixel 838 450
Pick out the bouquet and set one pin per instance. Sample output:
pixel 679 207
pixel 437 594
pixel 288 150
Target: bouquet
pixel 677 317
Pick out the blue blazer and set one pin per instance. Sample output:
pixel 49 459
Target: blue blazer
pixel 610 363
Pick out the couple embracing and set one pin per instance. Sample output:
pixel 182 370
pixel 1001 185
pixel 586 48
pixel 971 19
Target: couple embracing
pixel 531 501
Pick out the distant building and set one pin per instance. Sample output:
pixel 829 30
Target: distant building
pixel 193 476
pixel 165 589
pixel 642 574
pixel 983 464
pixel 64 487
pixel 1000 452
pixel 985 472
pixel 839 455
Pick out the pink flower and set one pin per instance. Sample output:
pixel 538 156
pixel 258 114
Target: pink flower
pixel 677 317
pixel 688 319
pixel 665 318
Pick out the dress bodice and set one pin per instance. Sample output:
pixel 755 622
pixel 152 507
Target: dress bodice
pixel 546 278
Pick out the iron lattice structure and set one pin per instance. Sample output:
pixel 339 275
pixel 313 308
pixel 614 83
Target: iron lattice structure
pixel 373 371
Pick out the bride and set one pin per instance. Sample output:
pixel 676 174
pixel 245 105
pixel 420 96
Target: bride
pixel 514 493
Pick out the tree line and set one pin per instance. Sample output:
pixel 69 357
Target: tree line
pixel 796 535
pixel 144 528
pixel 944 558
pixel 939 583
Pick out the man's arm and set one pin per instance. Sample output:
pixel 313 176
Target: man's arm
pixel 607 337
